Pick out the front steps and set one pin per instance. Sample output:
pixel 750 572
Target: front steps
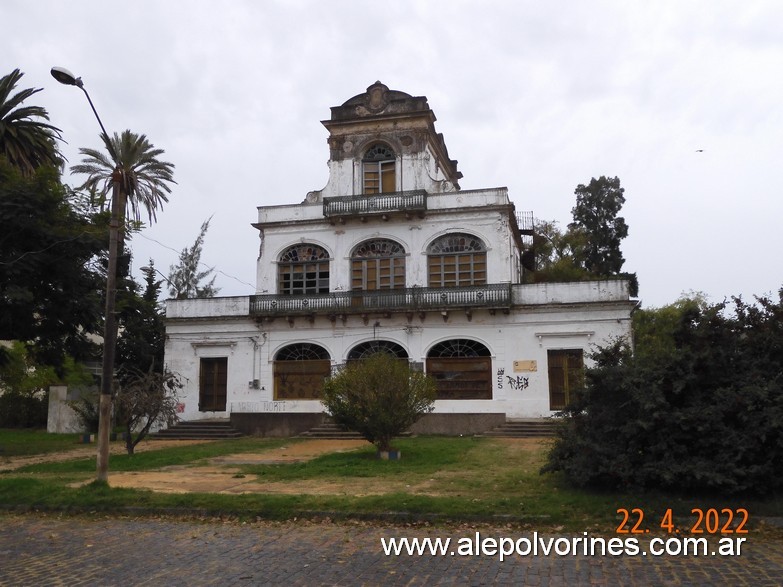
pixel 524 428
pixel 199 430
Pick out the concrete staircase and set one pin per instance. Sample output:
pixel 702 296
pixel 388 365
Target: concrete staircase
pixel 199 430
pixel 524 428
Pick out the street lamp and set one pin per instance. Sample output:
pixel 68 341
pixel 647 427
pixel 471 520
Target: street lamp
pixel 64 76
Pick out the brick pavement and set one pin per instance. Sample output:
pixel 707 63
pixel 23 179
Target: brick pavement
pixel 61 550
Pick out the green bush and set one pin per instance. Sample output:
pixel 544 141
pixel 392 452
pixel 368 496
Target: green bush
pixel 20 410
pixel 697 408
pixel 379 397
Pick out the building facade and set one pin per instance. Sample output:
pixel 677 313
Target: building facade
pixel 391 255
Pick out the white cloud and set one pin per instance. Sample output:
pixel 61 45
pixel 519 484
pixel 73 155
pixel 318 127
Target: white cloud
pixel 535 96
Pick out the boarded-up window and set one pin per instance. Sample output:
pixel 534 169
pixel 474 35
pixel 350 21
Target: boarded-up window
pixel 213 384
pixel 300 370
pixel 566 375
pixel 462 378
pixel 462 369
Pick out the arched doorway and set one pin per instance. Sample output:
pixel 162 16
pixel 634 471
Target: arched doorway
pixel 300 370
pixel 462 369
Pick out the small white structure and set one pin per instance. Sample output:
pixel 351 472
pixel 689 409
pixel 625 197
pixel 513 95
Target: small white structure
pixel 61 418
pixel 393 256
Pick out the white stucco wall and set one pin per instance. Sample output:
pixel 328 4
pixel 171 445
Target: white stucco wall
pixel 523 336
pixel 447 213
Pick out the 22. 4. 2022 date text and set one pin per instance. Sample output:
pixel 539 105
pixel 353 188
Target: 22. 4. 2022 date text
pixel 704 521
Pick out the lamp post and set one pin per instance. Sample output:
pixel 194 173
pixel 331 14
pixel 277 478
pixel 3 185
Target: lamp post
pixel 64 76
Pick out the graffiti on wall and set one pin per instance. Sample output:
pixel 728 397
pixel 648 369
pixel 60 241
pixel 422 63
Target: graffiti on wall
pixel 518 382
pixel 501 372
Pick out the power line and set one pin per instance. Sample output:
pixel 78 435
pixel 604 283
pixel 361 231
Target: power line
pixel 165 246
pixel 54 244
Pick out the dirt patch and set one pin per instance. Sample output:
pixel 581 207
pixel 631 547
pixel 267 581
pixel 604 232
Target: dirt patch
pixel 295 452
pixel 85 451
pixel 220 477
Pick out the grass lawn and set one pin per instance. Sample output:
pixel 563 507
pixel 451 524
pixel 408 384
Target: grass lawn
pixel 14 443
pixel 456 478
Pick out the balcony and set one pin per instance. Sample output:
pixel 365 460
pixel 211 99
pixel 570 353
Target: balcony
pixel 412 299
pixel 362 205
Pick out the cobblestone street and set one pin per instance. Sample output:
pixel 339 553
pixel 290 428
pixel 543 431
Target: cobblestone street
pixel 61 550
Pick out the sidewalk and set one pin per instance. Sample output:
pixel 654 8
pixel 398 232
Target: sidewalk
pixel 53 550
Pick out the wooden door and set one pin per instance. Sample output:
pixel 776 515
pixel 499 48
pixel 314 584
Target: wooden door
pixel 213 384
pixel 566 375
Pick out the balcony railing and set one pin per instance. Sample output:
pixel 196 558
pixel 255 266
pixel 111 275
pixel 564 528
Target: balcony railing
pixel 414 201
pixel 412 299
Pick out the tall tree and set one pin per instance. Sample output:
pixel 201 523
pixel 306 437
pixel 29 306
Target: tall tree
pixel 185 278
pixel 50 281
pixel 596 212
pixel 25 139
pixel 142 177
pixel 138 178
pixel 140 344
pixel 558 254
pixel 147 391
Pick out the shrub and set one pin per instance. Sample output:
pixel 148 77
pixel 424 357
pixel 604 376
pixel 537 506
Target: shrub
pixel 379 397
pixel 87 408
pixel 699 411
pixel 20 410
pixel 145 400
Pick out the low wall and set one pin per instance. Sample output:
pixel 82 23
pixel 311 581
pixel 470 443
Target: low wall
pixel 61 418
pixel 457 424
pixel 292 423
pixel 265 424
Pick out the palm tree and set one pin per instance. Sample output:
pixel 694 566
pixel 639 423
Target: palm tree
pixel 25 140
pixel 135 176
pixel 142 178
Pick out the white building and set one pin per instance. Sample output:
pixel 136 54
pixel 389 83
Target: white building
pixel 391 255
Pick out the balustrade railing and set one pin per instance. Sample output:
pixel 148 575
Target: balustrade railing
pixel 412 299
pixel 366 204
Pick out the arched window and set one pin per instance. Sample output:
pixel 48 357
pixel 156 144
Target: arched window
pixel 300 370
pixel 456 259
pixel 459 347
pixel 304 351
pixel 378 170
pixel 365 349
pixel 378 264
pixel 303 269
pixel 462 369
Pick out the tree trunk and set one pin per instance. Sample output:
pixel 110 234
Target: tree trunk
pixel 104 426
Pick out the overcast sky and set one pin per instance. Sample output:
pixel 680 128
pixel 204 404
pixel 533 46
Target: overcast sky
pixel 535 96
